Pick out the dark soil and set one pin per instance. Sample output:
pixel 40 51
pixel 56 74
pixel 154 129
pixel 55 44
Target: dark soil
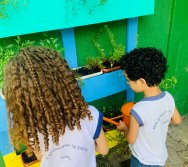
pixel 27 159
pixel 107 64
pixel 118 156
pixel 85 71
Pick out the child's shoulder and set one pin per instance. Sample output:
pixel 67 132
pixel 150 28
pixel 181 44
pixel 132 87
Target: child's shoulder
pixel 143 103
pixel 95 112
pixel 139 105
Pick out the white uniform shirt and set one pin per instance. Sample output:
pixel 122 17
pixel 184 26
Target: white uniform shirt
pixel 77 147
pixel 153 115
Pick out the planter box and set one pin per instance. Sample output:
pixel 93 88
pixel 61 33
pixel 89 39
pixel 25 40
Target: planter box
pixel 106 85
pixel 32 160
pixel 81 77
pixel 105 70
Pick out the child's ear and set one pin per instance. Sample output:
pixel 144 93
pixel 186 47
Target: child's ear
pixel 143 82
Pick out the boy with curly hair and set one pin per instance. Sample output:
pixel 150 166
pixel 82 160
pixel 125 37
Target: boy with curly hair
pixel 144 70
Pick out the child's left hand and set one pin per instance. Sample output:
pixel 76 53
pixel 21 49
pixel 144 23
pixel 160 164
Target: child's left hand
pixel 122 126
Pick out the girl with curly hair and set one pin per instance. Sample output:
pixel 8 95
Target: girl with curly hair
pixel 144 69
pixel 47 113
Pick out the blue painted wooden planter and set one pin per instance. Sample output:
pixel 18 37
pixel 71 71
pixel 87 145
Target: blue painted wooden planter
pixel 105 85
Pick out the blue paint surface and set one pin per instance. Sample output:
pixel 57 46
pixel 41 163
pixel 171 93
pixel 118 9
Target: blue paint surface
pixel 132 27
pixel 3 116
pixel 38 16
pixel 69 45
pixel 104 85
pixel 5 146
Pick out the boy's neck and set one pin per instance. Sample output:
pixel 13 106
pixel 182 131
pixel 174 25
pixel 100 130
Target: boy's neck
pixel 152 91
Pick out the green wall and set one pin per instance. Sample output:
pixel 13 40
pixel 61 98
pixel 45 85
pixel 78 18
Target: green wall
pixel 178 53
pixel 154 30
pixel 85 35
pixel 167 30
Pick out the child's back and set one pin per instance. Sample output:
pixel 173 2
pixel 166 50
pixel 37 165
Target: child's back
pixel 47 112
pixel 75 147
pixel 144 69
pixel 154 114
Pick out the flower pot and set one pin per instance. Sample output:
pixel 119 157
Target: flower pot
pixel 28 161
pixel 105 70
pixel 126 109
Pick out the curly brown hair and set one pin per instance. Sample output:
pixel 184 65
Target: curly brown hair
pixel 42 95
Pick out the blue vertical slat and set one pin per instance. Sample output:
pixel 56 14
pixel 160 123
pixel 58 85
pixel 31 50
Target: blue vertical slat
pixel 70 47
pixel 132 27
pixel 5 146
pixel 3 116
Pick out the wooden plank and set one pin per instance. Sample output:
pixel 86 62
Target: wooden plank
pixel 38 16
pixel 103 85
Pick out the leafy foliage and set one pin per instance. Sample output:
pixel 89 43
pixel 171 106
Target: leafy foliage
pixel 118 50
pixel 93 62
pixel 6 53
pixel 11 50
pixel 168 83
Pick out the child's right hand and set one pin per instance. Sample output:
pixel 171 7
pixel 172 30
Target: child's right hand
pixel 122 126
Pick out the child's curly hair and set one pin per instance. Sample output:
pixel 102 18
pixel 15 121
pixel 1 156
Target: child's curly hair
pixel 147 63
pixel 42 95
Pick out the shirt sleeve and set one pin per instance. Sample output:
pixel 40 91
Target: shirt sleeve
pixel 137 117
pixel 97 121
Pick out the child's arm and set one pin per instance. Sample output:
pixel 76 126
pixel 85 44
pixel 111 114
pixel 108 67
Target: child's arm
pixel 101 144
pixel 176 117
pixel 131 133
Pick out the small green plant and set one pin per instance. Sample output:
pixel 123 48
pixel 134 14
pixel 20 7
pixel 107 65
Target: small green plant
pixel 118 50
pixel 110 112
pixel 93 62
pixel 168 83
pixel 22 149
pixel 51 43
pixel 19 43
